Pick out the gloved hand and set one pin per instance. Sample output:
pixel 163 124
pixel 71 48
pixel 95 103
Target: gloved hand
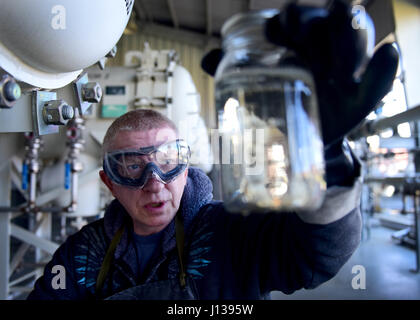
pixel 326 43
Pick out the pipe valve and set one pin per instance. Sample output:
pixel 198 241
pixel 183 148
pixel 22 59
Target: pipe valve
pixel 57 112
pixel 92 92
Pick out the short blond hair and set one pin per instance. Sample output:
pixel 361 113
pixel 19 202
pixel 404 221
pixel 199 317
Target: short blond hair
pixel 136 120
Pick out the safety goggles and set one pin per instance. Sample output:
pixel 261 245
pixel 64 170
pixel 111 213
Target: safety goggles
pixel 134 167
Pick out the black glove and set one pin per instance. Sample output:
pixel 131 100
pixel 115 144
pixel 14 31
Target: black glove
pixel 325 42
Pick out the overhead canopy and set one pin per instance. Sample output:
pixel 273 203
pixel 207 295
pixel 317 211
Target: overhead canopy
pixel 205 18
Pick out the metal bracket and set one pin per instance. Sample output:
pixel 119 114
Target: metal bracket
pixel 38 100
pixel 83 106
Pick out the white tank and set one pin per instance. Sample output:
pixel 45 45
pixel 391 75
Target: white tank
pixel 186 115
pixel 46 43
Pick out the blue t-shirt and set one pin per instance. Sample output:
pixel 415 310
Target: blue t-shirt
pixel 145 248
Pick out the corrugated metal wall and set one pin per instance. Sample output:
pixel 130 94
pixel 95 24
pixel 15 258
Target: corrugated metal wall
pixel 190 58
pixel 408 28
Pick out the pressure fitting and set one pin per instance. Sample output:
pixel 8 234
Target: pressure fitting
pixel 112 53
pixel 10 91
pixel 92 92
pixel 57 112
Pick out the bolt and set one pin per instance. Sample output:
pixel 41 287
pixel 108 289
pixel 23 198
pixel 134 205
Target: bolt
pixel 12 91
pixel 91 92
pixel 67 112
pixel 101 63
pixel 9 91
pixel 112 53
pixel 57 112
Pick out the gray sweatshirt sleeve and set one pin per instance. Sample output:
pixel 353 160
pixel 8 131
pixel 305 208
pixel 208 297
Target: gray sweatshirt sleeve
pixel 338 202
pixel 287 251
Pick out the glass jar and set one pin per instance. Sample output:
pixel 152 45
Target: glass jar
pixel 271 150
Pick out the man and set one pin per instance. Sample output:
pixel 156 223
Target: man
pixel 226 255
pixel 163 237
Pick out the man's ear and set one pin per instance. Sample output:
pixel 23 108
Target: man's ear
pixel 105 179
pixel 186 176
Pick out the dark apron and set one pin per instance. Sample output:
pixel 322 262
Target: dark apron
pixel 182 288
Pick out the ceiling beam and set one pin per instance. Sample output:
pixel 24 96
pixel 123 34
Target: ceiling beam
pixel 193 38
pixel 173 13
pixel 139 13
pixel 209 14
pixel 142 12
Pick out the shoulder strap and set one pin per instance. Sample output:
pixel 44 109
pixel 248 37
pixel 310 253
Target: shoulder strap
pixel 180 246
pixel 106 264
pixel 109 256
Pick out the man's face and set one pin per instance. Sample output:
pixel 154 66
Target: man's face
pixel 154 206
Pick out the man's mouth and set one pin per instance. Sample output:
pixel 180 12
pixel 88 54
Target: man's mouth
pixel 155 205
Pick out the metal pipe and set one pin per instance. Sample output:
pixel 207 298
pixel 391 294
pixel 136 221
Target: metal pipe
pixel 28 237
pixel 74 192
pixel 391 154
pixel 23 278
pixel 11 209
pixel 36 209
pixel 18 257
pixel 23 248
pixel 372 127
pixel 21 289
pixel 394 180
pixel 31 164
pixel 32 190
pixel 50 195
pixel 75 143
pixel 411 184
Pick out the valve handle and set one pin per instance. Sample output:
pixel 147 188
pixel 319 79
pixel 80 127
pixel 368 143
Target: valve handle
pixel 67 180
pixel 24 176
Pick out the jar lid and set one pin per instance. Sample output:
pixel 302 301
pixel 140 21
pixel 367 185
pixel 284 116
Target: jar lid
pixel 247 28
pixel 244 20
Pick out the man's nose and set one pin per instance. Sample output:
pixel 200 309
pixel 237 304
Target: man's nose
pixel 153 185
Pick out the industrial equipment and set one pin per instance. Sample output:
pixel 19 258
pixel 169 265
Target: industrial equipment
pixel 44 96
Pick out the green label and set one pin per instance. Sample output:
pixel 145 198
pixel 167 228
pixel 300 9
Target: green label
pixel 113 110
